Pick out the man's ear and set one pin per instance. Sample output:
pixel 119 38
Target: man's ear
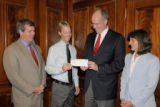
pixel 20 32
pixel 106 21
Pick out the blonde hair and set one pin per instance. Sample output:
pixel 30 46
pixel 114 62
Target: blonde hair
pixel 63 23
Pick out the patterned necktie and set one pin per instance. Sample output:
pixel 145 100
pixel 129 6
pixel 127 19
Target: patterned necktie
pixel 97 45
pixel 69 59
pixel 33 54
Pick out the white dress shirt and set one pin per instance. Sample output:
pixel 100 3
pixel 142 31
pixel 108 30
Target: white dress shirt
pixel 56 58
pixel 103 34
pixel 133 63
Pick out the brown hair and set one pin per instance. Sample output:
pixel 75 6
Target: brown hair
pixel 21 25
pixel 144 41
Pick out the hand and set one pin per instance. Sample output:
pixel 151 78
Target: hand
pixel 77 91
pixel 83 68
pixel 66 67
pixel 42 86
pixel 122 102
pixel 125 103
pixel 39 90
pixel 129 104
pixel 92 65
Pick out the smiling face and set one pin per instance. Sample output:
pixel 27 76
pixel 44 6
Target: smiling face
pixel 98 22
pixel 28 34
pixel 65 33
pixel 134 44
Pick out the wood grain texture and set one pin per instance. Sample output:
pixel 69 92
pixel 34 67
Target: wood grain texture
pixel 53 18
pixel 13 14
pixel 2 43
pixel 121 16
pixel 155 36
pixel 88 3
pixel 80 30
pixel 76 1
pixel 55 4
pixel 20 2
pixel 43 27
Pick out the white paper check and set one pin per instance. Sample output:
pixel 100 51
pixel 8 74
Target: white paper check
pixel 79 62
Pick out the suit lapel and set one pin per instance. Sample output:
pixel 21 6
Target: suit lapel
pixel 92 43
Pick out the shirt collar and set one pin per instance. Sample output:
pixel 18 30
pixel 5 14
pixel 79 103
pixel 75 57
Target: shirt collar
pixel 24 42
pixel 105 31
pixel 62 42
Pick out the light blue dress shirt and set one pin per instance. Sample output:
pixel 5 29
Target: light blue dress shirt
pixel 56 58
pixel 25 43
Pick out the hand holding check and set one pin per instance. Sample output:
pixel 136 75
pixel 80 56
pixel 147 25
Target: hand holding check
pixel 84 64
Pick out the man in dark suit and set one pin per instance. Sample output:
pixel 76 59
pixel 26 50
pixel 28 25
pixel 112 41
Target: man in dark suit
pixel 105 50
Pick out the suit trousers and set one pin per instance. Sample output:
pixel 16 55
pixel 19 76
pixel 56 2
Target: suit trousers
pixel 62 95
pixel 90 101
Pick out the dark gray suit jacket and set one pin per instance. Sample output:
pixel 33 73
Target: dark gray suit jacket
pixel 110 61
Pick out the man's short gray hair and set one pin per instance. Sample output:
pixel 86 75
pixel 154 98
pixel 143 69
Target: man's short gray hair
pixel 21 25
pixel 104 14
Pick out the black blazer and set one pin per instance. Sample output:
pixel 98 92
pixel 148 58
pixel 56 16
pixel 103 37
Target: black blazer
pixel 110 60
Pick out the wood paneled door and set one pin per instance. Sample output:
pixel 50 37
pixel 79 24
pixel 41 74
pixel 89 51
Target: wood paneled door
pixel 145 14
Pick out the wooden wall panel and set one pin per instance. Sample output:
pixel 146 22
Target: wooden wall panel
pixel 5 100
pixel 76 1
pixel 23 2
pixel 13 14
pixel 2 43
pixel 145 14
pixel 34 17
pixel 43 27
pixel 155 33
pixel 144 18
pixel 55 4
pixel 53 18
pixel 120 16
pixel 80 30
pixel 155 36
pixel 148 19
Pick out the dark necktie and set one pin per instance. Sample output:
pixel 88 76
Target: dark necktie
pixel 97 45
pixel 33 54
pixel 69 59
